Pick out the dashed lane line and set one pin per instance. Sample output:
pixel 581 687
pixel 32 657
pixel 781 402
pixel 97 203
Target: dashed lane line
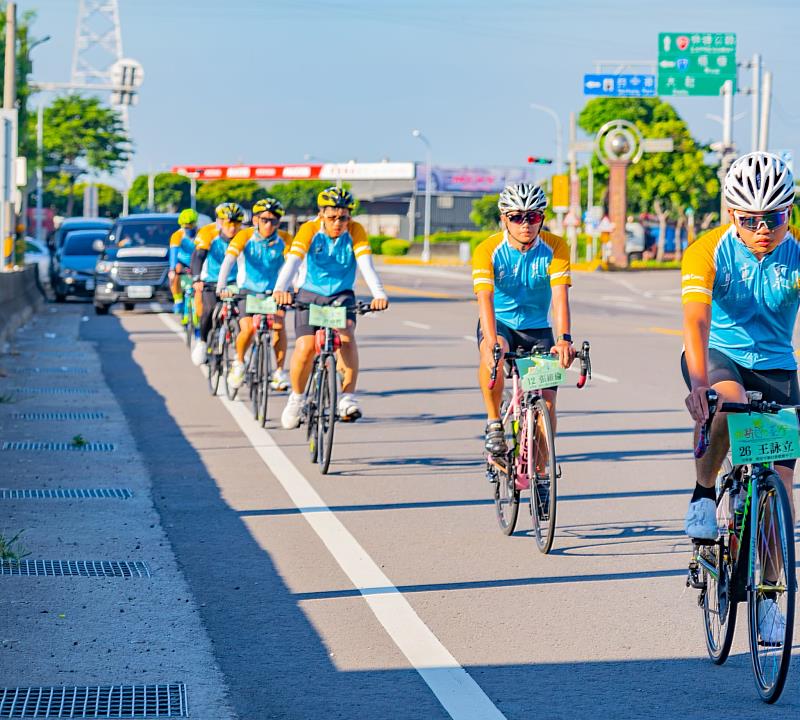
pixel 664 331
pixel 454 688
pixel 420 326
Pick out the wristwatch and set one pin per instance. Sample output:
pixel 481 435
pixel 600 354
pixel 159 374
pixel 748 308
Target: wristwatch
pixel 564 336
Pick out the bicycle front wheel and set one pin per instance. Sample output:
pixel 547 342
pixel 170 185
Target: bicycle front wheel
pixel 188 325
pixel 327 412
pixel 719 610
pixel 543 475
pixel 264 372
pixel 772 587
pixel 228 356
pixel 214 361
pixel 312 412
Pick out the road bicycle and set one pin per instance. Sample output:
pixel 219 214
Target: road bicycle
pixel 753 559
pixel 529 463
pixel 222 344
pixel 320 407
pixel 189 318
pixel 259 363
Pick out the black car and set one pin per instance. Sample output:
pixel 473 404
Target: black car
pixel 73 264
pixel 134 263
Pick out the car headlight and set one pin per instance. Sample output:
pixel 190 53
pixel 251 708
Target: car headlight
pixel 103 266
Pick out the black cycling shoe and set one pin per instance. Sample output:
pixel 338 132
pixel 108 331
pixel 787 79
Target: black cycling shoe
pixel 496 439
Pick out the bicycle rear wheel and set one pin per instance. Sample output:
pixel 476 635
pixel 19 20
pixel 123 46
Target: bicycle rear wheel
pixel 312 412
pixel 719 608
pixel 543 481
pixel 264 372
pixel 327 411
pixel 772 588
pixel 506 495
pixel 228 356
pixel 188 325
pixel 252 377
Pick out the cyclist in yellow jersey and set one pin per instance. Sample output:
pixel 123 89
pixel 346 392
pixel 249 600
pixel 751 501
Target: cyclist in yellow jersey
pixel 333 246
pixel 518 274
pixel 181 247
pixel 258 253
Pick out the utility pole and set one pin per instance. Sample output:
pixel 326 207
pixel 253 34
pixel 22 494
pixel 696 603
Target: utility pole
pixel 574 191
pixel 727 149
pixel 766 99
pixel 755 91
pixel 9 138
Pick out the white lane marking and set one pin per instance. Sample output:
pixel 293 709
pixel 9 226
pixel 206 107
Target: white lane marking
pixel 454 688
pixel 471 338
pixel 596 376
pixel 421 326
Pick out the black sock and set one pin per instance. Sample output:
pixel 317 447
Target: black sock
pixel 703 492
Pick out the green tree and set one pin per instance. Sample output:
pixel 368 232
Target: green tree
pixel 26 139
pixel 667 184
pixel 172 192
pixel 210 194
pixel 80 133
pixel 485 213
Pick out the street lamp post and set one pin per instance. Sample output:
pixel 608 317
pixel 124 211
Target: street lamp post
pixel 426 244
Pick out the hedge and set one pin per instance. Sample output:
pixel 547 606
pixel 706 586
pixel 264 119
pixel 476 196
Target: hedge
pixel 394 246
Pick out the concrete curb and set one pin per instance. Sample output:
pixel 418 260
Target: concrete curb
pixel 20 297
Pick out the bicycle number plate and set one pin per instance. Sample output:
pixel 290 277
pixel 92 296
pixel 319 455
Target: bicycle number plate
pixel 186 281
pixel 140 291
pixel 331 316
pixel 540 372
pixel 764 438
pixel 260 305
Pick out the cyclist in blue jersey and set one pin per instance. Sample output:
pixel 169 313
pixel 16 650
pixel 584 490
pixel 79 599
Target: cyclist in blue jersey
pixel 333 246
pixel 181 247
pixel 207 260
pixel 258 253
pixel 517 275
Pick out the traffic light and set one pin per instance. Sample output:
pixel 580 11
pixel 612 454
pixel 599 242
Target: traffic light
pixel 539 160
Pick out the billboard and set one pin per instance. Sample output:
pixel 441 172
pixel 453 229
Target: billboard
pixel 326 171
pixel 482 179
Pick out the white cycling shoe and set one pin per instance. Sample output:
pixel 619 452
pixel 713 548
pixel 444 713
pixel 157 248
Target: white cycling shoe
pixel 236 375
pixel 290 417
pixel 771 623
pixel 280 380
pixel 349 409
pixel 199 353
pixel 701 520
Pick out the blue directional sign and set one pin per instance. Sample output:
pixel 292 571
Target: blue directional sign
pixel 609 85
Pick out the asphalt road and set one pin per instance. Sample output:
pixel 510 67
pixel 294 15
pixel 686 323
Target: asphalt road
pixel 363 593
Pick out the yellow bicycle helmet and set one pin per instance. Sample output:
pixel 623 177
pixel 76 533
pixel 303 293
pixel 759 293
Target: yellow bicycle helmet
pixel 187 217
pixel 269 204
pixel 232 212
pixel 336 197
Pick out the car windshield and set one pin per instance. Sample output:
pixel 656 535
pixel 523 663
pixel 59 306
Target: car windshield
pixel 81 244
pixel 133 234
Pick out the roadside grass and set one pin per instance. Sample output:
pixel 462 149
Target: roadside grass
pixel 11 548
pixel 79 441
pixel 6 399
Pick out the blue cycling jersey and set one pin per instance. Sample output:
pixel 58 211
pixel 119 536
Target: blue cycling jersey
pixel 213 262
pixel 259 260
pixel 754 303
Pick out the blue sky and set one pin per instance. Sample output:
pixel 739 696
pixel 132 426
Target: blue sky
pixel 259 81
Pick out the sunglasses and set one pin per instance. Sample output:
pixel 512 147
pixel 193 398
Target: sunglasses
pixel 771 219
pixel 271 221
pixel 533 217
pixel 337 218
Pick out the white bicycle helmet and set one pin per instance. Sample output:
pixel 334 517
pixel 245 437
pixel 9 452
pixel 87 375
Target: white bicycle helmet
pixel 759 182
pixel 521 197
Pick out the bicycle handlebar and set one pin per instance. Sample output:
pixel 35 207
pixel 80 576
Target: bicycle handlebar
pixel 583 355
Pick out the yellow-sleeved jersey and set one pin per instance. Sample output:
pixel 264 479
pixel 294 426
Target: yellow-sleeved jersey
pixel 181 247
pixel 521 282
pixel 206 235
pixel 754 303
pixel 258 259
pixel 330 263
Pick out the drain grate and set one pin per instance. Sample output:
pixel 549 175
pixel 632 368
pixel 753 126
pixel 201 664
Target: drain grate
pixel 75 568
pixel 59 416
pixel 67 494
pixel 52 371
pixel 111 701
pixel 57 390
pixel 57 446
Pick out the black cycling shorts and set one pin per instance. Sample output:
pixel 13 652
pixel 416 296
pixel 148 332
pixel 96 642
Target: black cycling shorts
pixel 301 326
pixel 780 386
pixel 523 340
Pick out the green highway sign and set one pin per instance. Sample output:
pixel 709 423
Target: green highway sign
pixel 695 63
